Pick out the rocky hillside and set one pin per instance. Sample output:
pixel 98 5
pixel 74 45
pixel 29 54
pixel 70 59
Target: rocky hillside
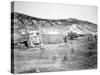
pixel 69 24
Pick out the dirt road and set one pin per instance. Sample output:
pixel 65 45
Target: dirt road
pixel 73 55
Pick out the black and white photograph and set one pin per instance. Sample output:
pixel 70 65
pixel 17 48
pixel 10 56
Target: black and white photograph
pixel 53 37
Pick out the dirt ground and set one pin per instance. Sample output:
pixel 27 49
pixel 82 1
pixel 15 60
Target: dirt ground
pixel 73 55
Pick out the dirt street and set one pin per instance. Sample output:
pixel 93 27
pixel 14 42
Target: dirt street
pixel 73 55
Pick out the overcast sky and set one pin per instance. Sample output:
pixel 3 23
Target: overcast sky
pixel 57 11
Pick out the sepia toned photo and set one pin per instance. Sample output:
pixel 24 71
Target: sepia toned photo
pixel 49 37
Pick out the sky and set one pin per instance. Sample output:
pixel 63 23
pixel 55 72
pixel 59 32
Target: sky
pixel 57 11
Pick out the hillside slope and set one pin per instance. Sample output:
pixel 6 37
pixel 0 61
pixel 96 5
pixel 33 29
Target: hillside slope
pixel 69 24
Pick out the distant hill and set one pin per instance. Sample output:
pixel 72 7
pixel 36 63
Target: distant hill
pixel 71 24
